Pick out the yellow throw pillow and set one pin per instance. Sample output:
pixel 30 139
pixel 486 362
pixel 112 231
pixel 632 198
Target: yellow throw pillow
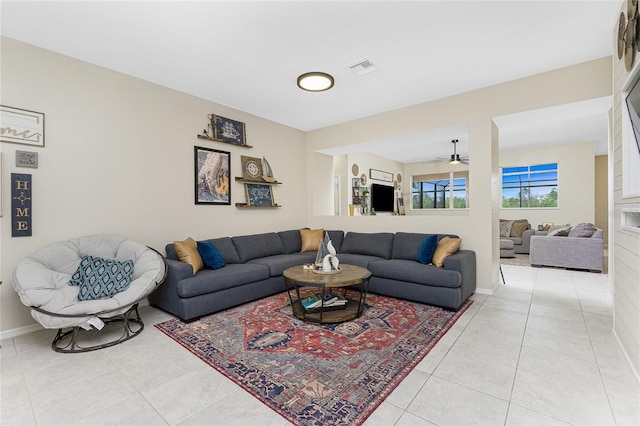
pixel 311 239
pixel 188 253
pixel 446 247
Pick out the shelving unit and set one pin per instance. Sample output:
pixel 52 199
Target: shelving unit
pixel 358 195
pixel 209 138
pixel 247 205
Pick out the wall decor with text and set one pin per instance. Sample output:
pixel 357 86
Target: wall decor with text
pixel 21 126
pixel 21 190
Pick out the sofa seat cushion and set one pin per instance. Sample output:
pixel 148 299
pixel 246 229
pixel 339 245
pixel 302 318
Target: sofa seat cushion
pixel 278 263
pixel 209 281
pixel 415 272
pixel 361 260
pixel 259 245
pixel 379 244
pixel 516 240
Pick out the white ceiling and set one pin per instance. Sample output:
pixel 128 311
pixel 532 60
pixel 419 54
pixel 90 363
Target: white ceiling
pixel 247 55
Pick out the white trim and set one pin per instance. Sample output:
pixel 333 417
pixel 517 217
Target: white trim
pixel 15 332
pixel 626 355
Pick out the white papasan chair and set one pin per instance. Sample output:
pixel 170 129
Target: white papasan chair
pixel 42 282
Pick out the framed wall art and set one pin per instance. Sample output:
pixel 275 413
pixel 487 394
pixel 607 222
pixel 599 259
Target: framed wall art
pixel 259 194
pixel 228 130
pixel 380 175
pixel 21 126
pixel 212 176
pixel 251 168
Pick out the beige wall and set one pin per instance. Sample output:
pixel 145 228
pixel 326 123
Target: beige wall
pixel 478 225
pixel 576 175
pixel 119 159
pixel 626 243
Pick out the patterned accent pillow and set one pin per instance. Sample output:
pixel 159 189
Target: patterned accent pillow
pixel 505 228
pixel 560 232
pixel 100 278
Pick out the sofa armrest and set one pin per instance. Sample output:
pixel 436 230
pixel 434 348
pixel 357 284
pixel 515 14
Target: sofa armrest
pixel 166 295
pixel 463 261
pixel 526 241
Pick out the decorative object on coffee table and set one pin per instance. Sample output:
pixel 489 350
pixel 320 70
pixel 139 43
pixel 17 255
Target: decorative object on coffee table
pixel 310 374
pixel 326 259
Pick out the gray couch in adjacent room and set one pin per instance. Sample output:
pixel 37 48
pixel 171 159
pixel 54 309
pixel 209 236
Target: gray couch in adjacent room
pixel 254 266
pixel 521 238
pixel 571 251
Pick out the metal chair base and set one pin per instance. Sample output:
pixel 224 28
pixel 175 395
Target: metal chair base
pixel 67 341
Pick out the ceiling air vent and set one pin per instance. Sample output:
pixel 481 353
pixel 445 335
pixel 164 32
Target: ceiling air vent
pixel 362 67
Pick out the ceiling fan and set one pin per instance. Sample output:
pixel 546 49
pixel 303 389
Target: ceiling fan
pixel 455 157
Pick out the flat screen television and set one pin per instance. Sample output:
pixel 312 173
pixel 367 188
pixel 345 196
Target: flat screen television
pixel 633 105
pixel 382 197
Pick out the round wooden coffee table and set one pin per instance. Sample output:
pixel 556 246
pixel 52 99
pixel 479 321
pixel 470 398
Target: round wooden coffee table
pixel 297 278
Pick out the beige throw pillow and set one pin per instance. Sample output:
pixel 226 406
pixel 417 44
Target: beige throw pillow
pixel 446 247
pixel 518 228
pixel 311 239
pixel 188 253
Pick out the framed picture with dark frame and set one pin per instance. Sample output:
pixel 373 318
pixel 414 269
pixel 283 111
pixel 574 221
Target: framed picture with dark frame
pixel 259 194
pixel 212 169
pixel 228 130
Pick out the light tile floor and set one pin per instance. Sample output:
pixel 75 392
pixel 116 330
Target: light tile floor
pixel 538 352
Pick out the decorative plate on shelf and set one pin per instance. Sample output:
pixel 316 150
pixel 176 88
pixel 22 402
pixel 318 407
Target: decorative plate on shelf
pixel 363 179
pixel 251 168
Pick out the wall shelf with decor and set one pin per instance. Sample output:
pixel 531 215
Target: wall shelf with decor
pixel 243 180
pixel 209 138
pixel 247 206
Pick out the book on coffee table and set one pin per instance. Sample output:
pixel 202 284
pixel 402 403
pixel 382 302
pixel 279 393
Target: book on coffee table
pixel 311 301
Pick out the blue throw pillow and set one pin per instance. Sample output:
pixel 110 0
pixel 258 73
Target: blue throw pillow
pixel 99 278
pixel 210 255
pixel 427 249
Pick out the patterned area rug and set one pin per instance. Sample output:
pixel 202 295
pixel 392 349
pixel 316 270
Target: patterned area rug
pixel 316 375
pixel 519 260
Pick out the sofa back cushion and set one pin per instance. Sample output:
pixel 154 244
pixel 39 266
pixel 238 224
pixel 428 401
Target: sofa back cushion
pixel 336 237
pixel 379 244
pixel 258 245
pixel 290 240
pixel 407 244
pixel 224 246
pixel 585 230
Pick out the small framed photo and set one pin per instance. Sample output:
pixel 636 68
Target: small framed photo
pixel 228 130
pixel 259 194
pixel 212 176
pixel 21 126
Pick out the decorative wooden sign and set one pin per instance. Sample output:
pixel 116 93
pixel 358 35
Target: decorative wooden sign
pixel 20 205
pixel 21 126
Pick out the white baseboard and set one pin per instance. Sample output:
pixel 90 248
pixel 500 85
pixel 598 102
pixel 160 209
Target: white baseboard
pixel 487 291
pixel 14 332
pixel 626 355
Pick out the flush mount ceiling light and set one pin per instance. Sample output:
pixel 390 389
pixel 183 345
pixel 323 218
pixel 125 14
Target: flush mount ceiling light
pixel 315 81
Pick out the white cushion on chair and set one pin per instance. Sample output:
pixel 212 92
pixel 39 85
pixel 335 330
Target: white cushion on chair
pixel 42 279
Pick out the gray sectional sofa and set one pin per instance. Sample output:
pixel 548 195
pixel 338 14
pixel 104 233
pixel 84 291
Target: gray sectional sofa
pixel 254 266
